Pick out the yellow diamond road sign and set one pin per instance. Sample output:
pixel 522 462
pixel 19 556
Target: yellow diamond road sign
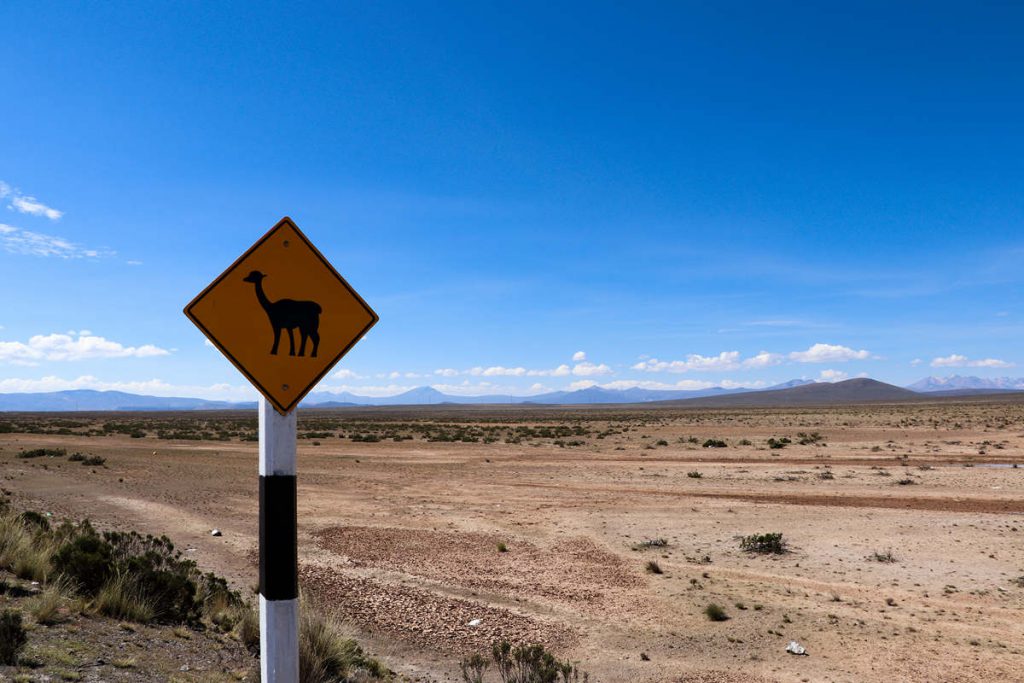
pixel 282 315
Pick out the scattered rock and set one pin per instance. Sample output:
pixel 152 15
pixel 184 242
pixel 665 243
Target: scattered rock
pixel 795 648
pixel 475 622
pixel 216 532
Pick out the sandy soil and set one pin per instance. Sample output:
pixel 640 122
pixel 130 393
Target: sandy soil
pixel 402 537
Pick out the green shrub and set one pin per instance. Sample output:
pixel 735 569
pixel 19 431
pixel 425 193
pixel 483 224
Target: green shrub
pixel 159 573
pixel 653 567
pixel 765 544
pixel 94 461
pixel 473 668
pixel 694 475
pixel 715 443
pixel 12 636
pixel 76 457
pixel 42 452
pixel 218 603
pixel 531 663
pixel 715 612
pixel 85 559
pixel 776 444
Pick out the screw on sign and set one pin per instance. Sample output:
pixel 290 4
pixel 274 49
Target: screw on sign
pixel 281 287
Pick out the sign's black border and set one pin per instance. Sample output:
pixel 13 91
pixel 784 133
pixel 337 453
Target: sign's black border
pixel 279 407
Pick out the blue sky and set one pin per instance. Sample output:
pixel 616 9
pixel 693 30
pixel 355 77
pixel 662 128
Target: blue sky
pixel 531 198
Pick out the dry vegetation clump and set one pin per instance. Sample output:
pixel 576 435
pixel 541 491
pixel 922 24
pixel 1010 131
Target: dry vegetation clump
pixel 886 557
pixel 12 636
pixel 715 612
pixel 649 543
pixel 771 543
pixel 143 579
pixel 525 663
pixel 328 656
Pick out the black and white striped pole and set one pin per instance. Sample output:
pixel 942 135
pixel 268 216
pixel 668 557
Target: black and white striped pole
pixel 279 583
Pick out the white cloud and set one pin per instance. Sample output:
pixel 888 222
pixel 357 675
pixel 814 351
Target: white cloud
pixel 581 384
pixel 686 384
pixel 832 375
pixel 762 360
pixel 519 371
pixel 726 360
pixel 345 373
pixel 828 353
pixel 916 362
pixel 152 387
pixel 25 204
pixel 18 241
pixel 71 347
pixel 370 390
pixel 681 385
pixel 134 263
pixel 468 388
pixel 497 371
pixel 579 357
pixel 588 369
pixel 31 205
pixel 958 361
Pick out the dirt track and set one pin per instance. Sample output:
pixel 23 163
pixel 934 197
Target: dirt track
pixel 402 538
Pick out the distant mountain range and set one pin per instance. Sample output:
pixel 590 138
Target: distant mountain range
pixel 87 399
pixel 591 395
pixel 957 383
pixel 794 392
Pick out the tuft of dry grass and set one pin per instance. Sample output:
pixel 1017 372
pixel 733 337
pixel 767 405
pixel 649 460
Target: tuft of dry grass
pixel 327 655
pixel 46 607
pixel 120 599
pixel 247 628
pixel 22 551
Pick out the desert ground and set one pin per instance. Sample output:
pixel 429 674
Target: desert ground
pixel 904 525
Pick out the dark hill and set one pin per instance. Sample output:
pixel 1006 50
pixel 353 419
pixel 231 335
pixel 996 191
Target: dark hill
pixel 859 390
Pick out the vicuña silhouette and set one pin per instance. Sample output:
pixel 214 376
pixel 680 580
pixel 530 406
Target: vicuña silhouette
pixel 287 314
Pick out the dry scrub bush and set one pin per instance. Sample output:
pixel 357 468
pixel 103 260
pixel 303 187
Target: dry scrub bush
pixel 715 612
pixel 532 664
pixel 12 636
pixel 764 544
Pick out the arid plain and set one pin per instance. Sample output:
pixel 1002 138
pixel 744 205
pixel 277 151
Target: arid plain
pixel 904 525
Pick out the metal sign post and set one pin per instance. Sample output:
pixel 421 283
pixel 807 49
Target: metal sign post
pixel 279 581
pixel 283 316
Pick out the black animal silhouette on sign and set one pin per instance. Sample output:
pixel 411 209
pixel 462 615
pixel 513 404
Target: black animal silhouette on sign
pixel 287 314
